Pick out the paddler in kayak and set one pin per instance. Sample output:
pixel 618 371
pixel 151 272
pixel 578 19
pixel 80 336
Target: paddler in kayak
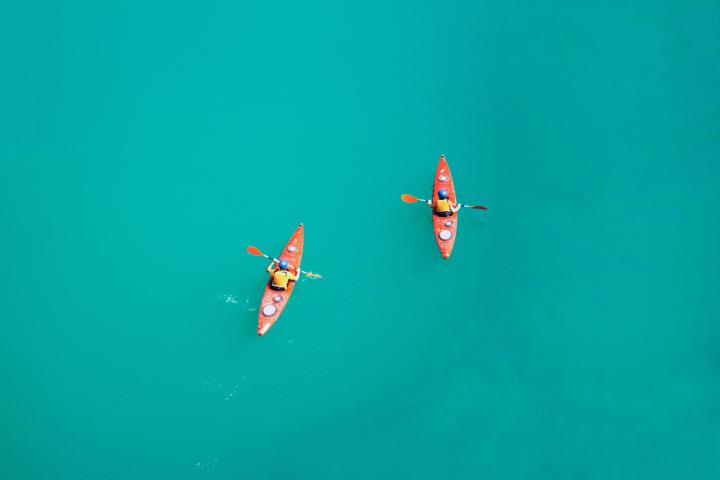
pixel 443 206
pixel 280 275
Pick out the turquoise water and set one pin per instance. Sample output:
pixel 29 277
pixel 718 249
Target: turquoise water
pixel 572 334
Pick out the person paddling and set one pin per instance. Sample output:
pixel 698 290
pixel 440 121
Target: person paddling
pixel 443 206
pixel 281 275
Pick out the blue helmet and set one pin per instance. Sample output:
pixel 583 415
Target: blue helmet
pixel 442 194
pixel 284 264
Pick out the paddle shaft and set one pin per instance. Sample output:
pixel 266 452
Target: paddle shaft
pixel 459 204
pixel 278 261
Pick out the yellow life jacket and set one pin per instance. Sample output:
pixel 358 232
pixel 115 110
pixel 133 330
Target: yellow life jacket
pixel 281 278
pixel 442 206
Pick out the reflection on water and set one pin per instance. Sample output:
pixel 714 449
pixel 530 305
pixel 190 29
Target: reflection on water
pixel 225 390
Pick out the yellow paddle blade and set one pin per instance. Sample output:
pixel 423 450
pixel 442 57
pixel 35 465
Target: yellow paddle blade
pixel 476 207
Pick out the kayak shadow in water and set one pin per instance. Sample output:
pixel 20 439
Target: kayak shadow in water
pixel 478 224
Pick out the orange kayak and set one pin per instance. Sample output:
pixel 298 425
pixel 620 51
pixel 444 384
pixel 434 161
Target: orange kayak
pixel 273 302
pixel 445 227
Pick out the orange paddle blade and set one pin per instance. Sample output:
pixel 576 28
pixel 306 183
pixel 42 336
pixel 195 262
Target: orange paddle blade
pixel 254 251
pixel 406 197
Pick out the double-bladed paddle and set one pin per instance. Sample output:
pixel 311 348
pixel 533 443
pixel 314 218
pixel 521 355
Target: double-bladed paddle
pixel 407 198
pixel 256 251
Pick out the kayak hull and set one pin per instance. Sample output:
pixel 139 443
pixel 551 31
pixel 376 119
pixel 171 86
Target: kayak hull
pixel 445 228
pixel 273 302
